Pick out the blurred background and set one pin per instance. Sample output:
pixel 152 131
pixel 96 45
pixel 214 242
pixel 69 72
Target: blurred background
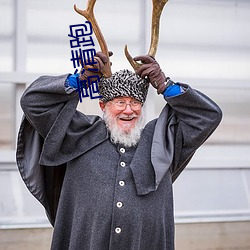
pixel 205 43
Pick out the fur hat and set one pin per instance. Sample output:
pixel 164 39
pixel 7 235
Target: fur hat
pixel 123 83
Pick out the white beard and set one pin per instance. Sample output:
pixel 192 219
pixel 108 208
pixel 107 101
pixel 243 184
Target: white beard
pixel 127 139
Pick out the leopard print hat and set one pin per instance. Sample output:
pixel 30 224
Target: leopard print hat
pixel 123 83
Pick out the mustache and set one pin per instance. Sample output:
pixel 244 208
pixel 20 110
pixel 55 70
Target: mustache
pixel 122 116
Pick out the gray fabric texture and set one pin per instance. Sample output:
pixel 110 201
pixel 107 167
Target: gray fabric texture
pixel 76 172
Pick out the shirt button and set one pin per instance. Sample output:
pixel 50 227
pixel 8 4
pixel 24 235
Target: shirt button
pixel 121 183
pixel 122 150
pixel 118 230
pixel 123 164
pixel 119 204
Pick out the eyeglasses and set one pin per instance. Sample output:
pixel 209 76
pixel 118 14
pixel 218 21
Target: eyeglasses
pixel 121 105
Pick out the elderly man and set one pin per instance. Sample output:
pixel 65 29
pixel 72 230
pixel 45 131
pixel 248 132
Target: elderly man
pixel 107 183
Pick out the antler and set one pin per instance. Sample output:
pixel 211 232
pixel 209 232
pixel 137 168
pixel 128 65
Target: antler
pixel 158 6
pixel 89 15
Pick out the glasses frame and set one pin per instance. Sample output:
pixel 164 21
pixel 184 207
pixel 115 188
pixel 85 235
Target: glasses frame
pixel 125 105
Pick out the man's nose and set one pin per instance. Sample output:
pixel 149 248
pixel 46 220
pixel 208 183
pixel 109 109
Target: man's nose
pixel 128 110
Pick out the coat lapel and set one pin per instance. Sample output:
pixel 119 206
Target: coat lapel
pixel 154 154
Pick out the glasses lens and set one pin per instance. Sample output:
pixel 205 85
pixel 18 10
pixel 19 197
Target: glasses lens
pixel 135 105
pixel 120 105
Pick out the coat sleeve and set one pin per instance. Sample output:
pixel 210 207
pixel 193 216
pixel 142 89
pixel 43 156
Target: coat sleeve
pixel 44 99
pixel 52 133
pixel 42 102
pixel 197 117
pixel 67 133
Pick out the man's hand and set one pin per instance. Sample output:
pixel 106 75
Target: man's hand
pixel 100 60
pixel 151 70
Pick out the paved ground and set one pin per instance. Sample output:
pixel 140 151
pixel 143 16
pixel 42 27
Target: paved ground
pixel 201 236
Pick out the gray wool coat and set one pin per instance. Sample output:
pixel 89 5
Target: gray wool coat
pixel 99 195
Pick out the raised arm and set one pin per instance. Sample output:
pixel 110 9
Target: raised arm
pixel 44 99
pixel 49 96
pixel 197 117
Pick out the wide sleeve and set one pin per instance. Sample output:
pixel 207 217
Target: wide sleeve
pixel 43 101
pixel 197 116
pixel 51 134
pixel 67 133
